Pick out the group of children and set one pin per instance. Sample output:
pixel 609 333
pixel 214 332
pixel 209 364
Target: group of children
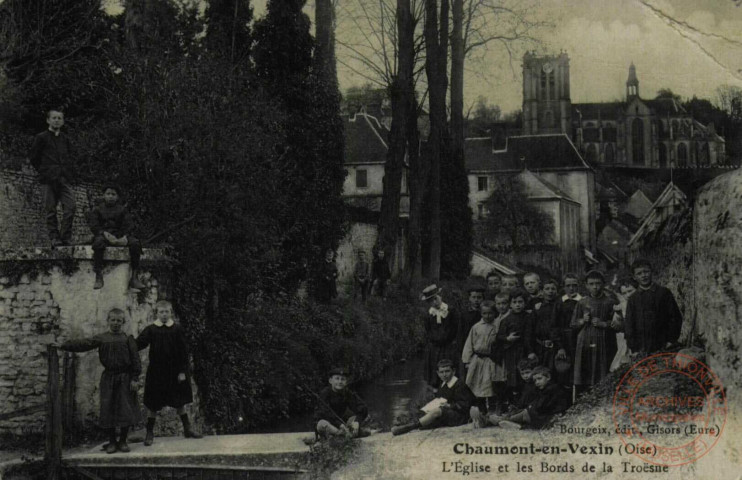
pixel 525 353
pixel 167 383
pixel 51 155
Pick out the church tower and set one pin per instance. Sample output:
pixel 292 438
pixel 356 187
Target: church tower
pixel 632 84
pixel 547 107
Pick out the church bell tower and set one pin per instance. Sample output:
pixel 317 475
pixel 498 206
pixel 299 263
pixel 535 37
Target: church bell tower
pixel 547 107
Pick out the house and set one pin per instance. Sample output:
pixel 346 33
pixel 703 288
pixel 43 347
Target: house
pixel 672 200
pixel 557 180
pixel 365 156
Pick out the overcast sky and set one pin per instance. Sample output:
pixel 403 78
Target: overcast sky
pixel 689 46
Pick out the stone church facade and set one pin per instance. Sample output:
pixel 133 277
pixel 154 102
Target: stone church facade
pixel 635 132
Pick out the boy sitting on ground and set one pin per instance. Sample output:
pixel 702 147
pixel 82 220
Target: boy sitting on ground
pixel 548 400
pixel 339 411
pixel 449 408
pixel 528 394
pixel 111 225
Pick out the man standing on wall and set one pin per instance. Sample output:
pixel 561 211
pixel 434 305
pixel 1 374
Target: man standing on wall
pixel 51 156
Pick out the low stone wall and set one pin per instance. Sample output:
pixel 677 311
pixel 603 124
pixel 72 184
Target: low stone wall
pixel 46 296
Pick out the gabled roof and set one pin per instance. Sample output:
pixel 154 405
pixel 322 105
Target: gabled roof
pixel 535 152
pixel 540 189
pixel 593 111
pixel 639 204
pixel 484 257
pixel 671 193
pixel 478 153
pixel 365 140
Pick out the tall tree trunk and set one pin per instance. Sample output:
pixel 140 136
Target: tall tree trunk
pixel 324 53
pixel 457 78
pixel 417 173
pixel 436 46
pixel 389 218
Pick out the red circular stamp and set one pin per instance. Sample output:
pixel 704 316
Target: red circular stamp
pixel 669 409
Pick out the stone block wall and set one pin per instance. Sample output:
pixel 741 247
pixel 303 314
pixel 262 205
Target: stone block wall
pixel 55 301
pixel 22 210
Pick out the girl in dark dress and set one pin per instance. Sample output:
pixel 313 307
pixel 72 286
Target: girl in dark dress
pixel 168 381
pixel 441 327
pixel 119 356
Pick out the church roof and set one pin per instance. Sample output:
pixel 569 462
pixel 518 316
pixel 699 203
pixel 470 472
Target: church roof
pixel 365 140
pixel 537 153
pixel 665 106
pixel 604 110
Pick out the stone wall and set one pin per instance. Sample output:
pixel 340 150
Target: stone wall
pixel 46 296
pixel 22 210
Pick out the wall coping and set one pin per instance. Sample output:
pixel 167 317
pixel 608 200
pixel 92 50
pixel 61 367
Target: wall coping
pixel 80 252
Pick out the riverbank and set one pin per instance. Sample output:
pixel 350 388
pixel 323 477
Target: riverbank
pixel 582 443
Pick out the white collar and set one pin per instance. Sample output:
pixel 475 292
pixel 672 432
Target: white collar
pixel 55 132
pixel 169 323
pixel 439 313
pixel 577 297
pixel 452 382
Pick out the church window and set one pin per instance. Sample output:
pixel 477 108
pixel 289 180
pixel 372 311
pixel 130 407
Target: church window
pixel 663 156
pixel 682 155
pixel 610 153
pixel 637 142
pixel 548 119
pixel 675 129
pixel 543 85
pixel 592 153
pixel 552 91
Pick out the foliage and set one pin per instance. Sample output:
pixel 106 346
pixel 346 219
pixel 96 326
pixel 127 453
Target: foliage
pixel 510 214
pixel 482 117
pixel 667 93
pixel 263 362
pixel 50 54
pixel 328 456
pixel 228 31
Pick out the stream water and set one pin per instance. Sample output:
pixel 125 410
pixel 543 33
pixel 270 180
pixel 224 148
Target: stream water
pixel 387 396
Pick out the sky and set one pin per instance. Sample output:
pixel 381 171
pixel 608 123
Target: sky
pixel 689 46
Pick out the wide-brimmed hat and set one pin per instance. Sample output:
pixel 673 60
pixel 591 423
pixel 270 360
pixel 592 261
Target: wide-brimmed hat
pixel 430 291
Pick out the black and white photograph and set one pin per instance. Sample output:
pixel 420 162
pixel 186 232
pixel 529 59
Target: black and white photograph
pixel 370 239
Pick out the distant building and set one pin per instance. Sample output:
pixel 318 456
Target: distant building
pixel 557 180
pixel 635 132
pixel 670 202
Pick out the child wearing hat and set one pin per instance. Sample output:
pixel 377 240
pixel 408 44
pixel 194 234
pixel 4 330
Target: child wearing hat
pixel 340 411
pixel 441 328
pixel 596 337
pixel 452 403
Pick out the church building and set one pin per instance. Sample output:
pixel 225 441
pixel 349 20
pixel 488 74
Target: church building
pixel 635 132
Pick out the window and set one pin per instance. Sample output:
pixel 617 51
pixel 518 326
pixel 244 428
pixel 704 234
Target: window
pixel 637 142
pixel 682 155
pixel 481 184
pixel 361 178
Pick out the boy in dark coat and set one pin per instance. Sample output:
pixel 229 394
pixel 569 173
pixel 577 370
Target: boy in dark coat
pixel 111 225
pixel 326 287
pixel 548 400
pixel 381 276
pixel 653 320
pixel 51 155
pixel 340 411
pixel 514 339
pixel 456 400
pixel 119 381
pixel 547 335
pixel 361 276
pixel 168 381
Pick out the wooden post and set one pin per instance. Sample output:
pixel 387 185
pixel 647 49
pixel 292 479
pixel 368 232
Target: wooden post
pixel 53 415
pixel 68 390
